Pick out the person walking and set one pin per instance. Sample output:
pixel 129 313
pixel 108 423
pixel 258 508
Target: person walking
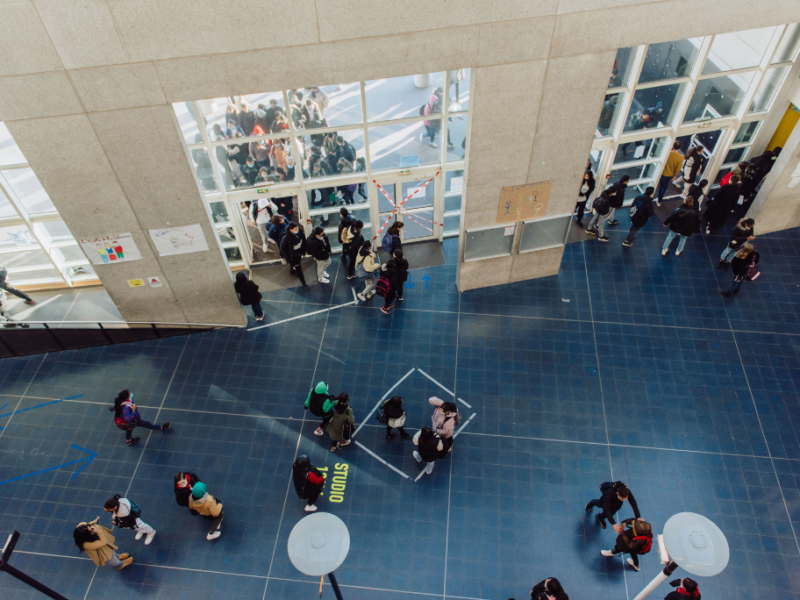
pixel 320 403
pixel 366 269
pixel 125 514
pixel 308 481
pixel 641 211
pixel 741 265
pixel 401 265
pixel 320 248
pixel 549 589
pixel 697 192
pixel 249 295
pixel 293 247
pixel 345 221
pixel 621 185
pixel 587 188
pixel 261 213
pixel 692 162
pixel 395 417
pixel 613 496
pixel 98 543
pixel 127 417
pixel 209 507
pixel 672 167
pixel 444 420
pixel 601 211
pixel 342 424
pixel 721 206
pixel 5 284
pixel 391 239
pixel 184 481
pixel 683 222
pixel 388 285
pixel 686 589
pixel 277 226
pixel 429 448
pixel 634 541
pixel 743 232
pixel 353 238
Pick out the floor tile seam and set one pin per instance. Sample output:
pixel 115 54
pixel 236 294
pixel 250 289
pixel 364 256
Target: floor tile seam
pixel 361 587
pixel 22 397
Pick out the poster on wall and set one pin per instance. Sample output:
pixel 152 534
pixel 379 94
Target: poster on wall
pixel 179 240
pixel 111 249
pixel 524 202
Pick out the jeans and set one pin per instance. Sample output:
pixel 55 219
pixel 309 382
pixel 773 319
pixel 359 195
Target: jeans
pixel 361 189
pixel 600 221
pixel 726 253
pixel 671 236
pixel 632 233
pixel 215 523
pixel 369 285
pixel 580 206
pixel 634 557
pixel 262 229
pixel 431 132
pixel 321 266
pixel 139 423
pixel 257 310
pixel 389 298
pixel 298 270
pixel 347 195
pixel 114 562
pixel 663 184
pixel 735 284
pixel 12 290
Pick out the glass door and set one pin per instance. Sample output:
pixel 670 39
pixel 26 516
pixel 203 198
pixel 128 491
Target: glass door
pixel 416 201
pixel 709 142
pixel 257 243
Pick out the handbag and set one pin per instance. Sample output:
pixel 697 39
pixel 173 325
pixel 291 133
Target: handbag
pixel 398 422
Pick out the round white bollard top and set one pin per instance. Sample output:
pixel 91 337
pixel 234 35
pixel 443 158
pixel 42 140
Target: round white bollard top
pixel 696 544
pixel 318 544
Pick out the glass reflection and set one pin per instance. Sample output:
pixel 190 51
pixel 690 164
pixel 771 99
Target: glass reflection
pixel 670 60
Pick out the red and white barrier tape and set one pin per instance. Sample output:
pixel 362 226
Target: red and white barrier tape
pixel 399 206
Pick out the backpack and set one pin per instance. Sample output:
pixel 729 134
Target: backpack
pixel 382 287
pixel 752 272
pixel 386 243
pixel 608 485
pixel 381 414
pixel 637 204
pixel 120 422
pixel 645 532
pixel 316 403
pixel 601 205
pixel 136 512
pixel 422 110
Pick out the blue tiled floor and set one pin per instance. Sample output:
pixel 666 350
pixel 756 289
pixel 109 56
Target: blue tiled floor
pixel 625 364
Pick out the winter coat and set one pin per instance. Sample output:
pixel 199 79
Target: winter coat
pixel 610 503
pixel 433 107
pixel 247 121
pixel 617 199
pixel 680 593
pixel 602 204
pixel 260 155
pixel 308 481
pixel 644 212
pixel 685 220
pixel 625 541
pixel 394 413
pixel 370 266
pixel 691 167
pixel 431 449
pixel 336 426
pixel 182 495
pixel 320 249
pixel 247 290
pixel 739 236
pixel 208 506
pixel 402 270
pixel 320 401
pixel 719 209
pixel 276 231
pixel 354 239
pixel 442 425
pixel 739 265
pixel 101 550
pixel 396 243
pixel 696 192
pixel 293 246
pixel 542 591
pixel 344 224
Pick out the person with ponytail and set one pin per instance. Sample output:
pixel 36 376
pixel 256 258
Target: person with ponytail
pixel 687 589
pixel 127 417
pixel 98 543
pixel 549 588
pixel 125 514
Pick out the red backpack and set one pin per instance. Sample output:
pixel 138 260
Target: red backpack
pixel 646 535
pixel 382 287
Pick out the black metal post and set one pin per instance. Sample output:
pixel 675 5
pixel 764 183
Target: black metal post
pixel 4 566
pixel 105 334
pixel 54 336
pixel 335 586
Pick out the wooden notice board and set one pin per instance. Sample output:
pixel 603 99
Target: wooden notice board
pixel 524 202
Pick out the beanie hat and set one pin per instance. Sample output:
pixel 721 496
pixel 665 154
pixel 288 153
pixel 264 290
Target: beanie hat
pixel 199 490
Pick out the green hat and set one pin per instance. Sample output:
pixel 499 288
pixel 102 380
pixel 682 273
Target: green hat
pixel 199 490
pixel 322 388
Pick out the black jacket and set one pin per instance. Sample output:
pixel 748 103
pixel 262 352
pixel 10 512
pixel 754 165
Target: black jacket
pixel 602 204
pixel 611 503
pixel 393 410
pixel 739 236
pixel 739 265
pixel 402 270
pixel 625 541
pixel 247 290
pixel 355 245
pixel 539 591
pixel 344 223
pixel 429 450
pixel 300 471
pixel 643 212
pixel 676 595
pixel 320 249
pixel 182 494
pixel 293 246
pixel 685 220
pixel 696 192
pixel 618 198
pixel 719 209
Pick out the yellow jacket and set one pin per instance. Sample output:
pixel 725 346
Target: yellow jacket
pixel 100 551
pixel 206 506
pixel 673 164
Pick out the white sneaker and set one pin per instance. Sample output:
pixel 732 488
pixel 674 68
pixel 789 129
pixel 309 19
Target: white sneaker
pixel 311 508
pixel 139 535
pixel 361 297
pixel 417 457
pixel 678 252
pixel 434 145
pixel 326 275
pixel 345 442
pixel 630 562
pixel 421 135
pixel 606 553
pixel 150 537
pixel 266 247
pixel 324 280
pixel 370 295
pixel 215 535
pixel 664 252
pixel 318 432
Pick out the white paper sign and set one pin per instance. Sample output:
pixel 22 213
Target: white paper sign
pixel 111 249
pixel 456 184
pixel 639 152
pixel 155 282
pixel 508 230
pixel 179 240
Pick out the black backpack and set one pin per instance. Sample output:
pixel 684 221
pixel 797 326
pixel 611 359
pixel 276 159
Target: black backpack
pixel 422 110
pixel 608 485
pixel 316 402
pixel 601 205
pixel 381 414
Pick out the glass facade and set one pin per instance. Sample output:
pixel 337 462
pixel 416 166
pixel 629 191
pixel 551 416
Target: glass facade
pixel 363 146
pixel 36 246
pixel 712 92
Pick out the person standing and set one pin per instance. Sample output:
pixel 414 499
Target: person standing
pixel 278 225
pixel 641 211
pixel 743 232
pixel 672 167
pixel 444 420
pixel 6 285
pixel 98 543
pixel 617 199
pixel 613 496
pixel 548 589
pixel 692 163
pixel 127 417
pixel 391 239
pixel 126 515
pixel 686 589
pixel 697 192
pixel 249 294
pixel 366 269
pixel 721 206
pixel 345 221
pixel 401 264
pixel 429 448
pixel 601 209
pixel 634 541
pixel 683 222
pixel 740 265
pixel 342 424
pixel 320 248
pixel 293 246
pixel 183 488
pixel 308 481
pixel 320 403
pixel 261 212
pixel 387 286
pixel 434 106
pixel 395 417
pixel 587 187
pixel 353 238
pixel 207 506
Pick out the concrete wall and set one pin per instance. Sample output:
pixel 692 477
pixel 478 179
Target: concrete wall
pixel 97 78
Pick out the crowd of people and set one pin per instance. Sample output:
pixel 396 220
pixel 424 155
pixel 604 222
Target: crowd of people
pixel 696 212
